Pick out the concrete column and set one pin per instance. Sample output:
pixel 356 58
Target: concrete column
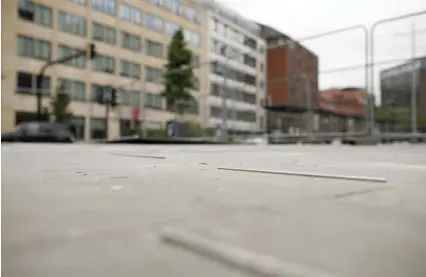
pixel 113 127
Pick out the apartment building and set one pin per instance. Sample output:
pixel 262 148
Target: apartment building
pixel 131 38
pixel 237 71
pixel 292 81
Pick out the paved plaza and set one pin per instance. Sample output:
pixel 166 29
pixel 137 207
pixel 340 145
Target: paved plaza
pixel 99 210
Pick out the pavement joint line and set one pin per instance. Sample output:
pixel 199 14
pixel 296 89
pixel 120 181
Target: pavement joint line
pixel 139 156
pixel 310 175
pixel 245 260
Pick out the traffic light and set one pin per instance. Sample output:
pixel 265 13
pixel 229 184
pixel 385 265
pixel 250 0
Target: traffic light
pixel 92 51
pixel 114 100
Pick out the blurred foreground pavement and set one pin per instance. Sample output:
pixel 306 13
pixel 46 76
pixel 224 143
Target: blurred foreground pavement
pixel 97 210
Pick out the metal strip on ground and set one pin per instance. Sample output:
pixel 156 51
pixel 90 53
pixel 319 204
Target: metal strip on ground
pixel 139 156
pixel 245 260
pixel 311 175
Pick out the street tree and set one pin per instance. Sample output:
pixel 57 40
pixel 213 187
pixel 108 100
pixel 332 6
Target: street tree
pixel 59 104
pixel 178 77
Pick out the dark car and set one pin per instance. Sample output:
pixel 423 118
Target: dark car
pixel 39 132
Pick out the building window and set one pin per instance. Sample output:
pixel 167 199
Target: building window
pixel 251 43
pixel 26 83
pixel 130 13
pixel 77 127
pixel 154 23
pixel 72 24
pixel 191 37
pixel 156 2
pixel 131 42
pixel 247 116
pixel 154 101
pixel 130 69
pixel 249 60
pixel 174 6
pixel 106 6
pixel 30 11
pixel 34 48
pixel 153 48
pixel 99 92
pixel 171 29
pixel 75 89
pixel 81 2
pixel 192 107
pixel 195 61
pixel 215 111
pixel 220 69
pixel 65 51
pixel 129 98
pixel 215 89
pixel 196 83
pixel 153 74
pixel 104 64
pixel 98 128
pixel 103 33
pixel 192 15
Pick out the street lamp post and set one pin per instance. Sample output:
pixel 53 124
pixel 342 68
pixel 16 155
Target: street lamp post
pixel 413 81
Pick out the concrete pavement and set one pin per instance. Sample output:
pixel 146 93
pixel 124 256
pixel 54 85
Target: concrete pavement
pixel 98 210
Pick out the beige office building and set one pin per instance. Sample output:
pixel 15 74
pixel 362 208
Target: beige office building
pixel 131 38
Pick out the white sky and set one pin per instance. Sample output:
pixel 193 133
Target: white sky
pixel 303 18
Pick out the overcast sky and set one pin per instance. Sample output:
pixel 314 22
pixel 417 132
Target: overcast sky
pixel 303 18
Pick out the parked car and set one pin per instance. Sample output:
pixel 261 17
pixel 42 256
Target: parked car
pixel 39 132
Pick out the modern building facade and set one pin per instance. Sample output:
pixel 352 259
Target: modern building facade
pixel 292 81
pixel 396 86
pixel 237 71
pixel 131 38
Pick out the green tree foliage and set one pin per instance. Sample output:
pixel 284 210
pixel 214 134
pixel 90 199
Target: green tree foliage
pixel 60 103
pixel 178 76
pixel 400 117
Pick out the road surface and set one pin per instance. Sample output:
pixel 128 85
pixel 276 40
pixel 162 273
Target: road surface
pixel 99 210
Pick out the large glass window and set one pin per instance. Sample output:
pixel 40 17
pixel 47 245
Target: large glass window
pixel 75 89
pixel 72 24
pixel 191 37
pixel 98 128
pixel 66 51
pixel 77 127
pixel 130 13
pixel 103 33
pixel 192 15
pixel 154 101
pixel 171 28
pixel 106 6
pixel 131 42
pixel 153 74
pixel 154 23
pixel 104 64
pixel 37 13
pixel 26 83
pixel 34 48
pixel 153 48
pixel 130 69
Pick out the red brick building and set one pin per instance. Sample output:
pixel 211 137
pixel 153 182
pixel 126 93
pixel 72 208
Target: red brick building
pixel 292 73
pixel 348 102
pixel 342 109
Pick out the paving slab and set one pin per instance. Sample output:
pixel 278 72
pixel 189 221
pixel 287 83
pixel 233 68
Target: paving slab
pixel 98 210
